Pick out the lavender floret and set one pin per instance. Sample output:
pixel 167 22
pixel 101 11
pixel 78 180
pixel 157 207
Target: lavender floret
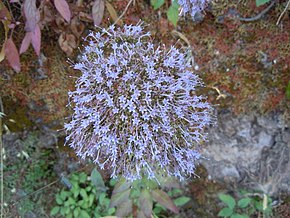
pixel 192 7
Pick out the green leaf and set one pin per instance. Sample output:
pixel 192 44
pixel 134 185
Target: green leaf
pixel 82 177
pixel 54 211
pixel 288 91
pixel 71 201
pixel 244 202
pixel 98 181
pixel 261 2
pixel 135 193
pixel 172 13
pixel 225 212
pixel 120 197
pixel 63 195
pixel 111 211
pixel 113 182
pixel 162 198
pixel 146 202
pixel 91 199
pixel 181 201
pixel 228 200
pixel 84 214
pixel 59 200
pixel 157 3
pixel 84 194
pixel 106 202
pixel 236 215
pixel 77 211
pixel 158 209
pixel 102 196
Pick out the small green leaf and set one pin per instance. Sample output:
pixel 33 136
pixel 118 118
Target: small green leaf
pixel 71 201
pixel 83 193
pixel 135 193
pixel 181 201
pixel 106 202
pixel 236 215
pixel 228 200
pixel 157 3
pixel 84 214
pixel 288 91
pixel 63 195
pixel 158 209
pixel 98 181
pixel 77 211
pixel 111 211
pixel 113 182
pixel 244 202
pixel 82 177
pixel 162 198
pixel 102 196
pixel 59 200
pixel 261 2
pixel 91 199
pixel 54 211
pixel 225 212
pixel 172 13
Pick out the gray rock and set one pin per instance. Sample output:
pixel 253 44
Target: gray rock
pixel 249 151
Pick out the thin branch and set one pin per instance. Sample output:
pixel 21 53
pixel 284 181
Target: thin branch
pixel 120 17
pixel 1 161
pixel 260 15
pixel 284 11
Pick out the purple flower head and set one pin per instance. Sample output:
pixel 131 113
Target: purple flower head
pixel 135 108
pixel 192 6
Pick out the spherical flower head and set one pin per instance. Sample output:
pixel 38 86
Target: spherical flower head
pixel 192 6
pixel 135 108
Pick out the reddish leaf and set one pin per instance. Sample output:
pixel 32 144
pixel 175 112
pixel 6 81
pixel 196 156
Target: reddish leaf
pixel 36 39
pixel 162 198
pixel 146 202
pixel 121 185
pixel 32 15
pixel 77 27
pixel 63 8
pixel 12 55
pixel 25 42
pixel 119 198
pixel 141 214
pixel 98 11
pixel 124 209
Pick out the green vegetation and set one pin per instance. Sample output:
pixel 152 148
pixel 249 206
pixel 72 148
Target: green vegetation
pixel 27 169
pixel 246 206
pixel 86 198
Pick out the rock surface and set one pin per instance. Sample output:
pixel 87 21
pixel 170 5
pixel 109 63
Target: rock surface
pixel 250 151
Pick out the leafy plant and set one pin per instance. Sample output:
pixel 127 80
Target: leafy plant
pixel 86 198
pixel 27 169
pixel 146 198
pixel 172 12
pixel 246 206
